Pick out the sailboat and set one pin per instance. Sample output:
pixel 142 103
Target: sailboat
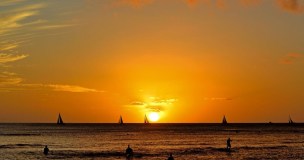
pixel 120 121
pixel 59 120
pixel 290 120
pixel 146 121
pixel 224 122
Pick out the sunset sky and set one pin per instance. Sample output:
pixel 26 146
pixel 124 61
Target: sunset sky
pixel 184 60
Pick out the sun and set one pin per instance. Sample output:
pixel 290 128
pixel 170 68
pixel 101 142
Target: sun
pixel 154 116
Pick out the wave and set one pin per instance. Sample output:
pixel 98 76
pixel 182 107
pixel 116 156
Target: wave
pixel 207 150
pixel 289 142
pixel 250 148
pixel 20 145
pixel 19 134
pixel 91 154
pixel 263 147
pixel 63 154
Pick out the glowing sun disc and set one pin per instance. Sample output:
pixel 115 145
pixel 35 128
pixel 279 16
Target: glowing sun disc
pixel 154 116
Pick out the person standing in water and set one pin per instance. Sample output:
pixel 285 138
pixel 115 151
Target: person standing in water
pixel 129 153
pixel 228 144
pixel 46 150
pixel 170 157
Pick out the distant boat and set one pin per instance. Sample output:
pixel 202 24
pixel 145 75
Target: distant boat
pixel 224 122
pixel 59 120
pixel 146 121
pixel 120 121
pixel 290 120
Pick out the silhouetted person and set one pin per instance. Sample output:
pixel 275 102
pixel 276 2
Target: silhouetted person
pixel 228 144
pixel 170 157
pixel 46 150
pixel 129 153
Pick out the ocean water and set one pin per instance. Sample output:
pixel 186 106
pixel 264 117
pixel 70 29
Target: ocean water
pixel 152 142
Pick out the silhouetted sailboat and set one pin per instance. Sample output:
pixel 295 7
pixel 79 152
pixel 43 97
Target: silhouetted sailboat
pixel 224 122
pixel 290 120
pixel 120 121
pixel 59 120
pixel 146 121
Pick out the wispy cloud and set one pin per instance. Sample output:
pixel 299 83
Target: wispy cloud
pixel 250 2
pixel 294 6
pixel 12 22
pixel 28 8
pixel 9 78
pixel 153 104
pixel 133 3
pixel 5 57
pixel 217 99
pixel 24 18
pixel 8 46
pixel 220 4
pixel 70 88
pixel 138 103
pixel 19 23
pixel 291 58
pixel 12 29
pixel 46 27
pixel 11 82
pixel 191 3
pixel 9 2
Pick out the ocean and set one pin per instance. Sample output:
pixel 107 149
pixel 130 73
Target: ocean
pixel 152 142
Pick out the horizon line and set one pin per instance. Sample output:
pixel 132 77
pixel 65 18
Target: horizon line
pixel 151 123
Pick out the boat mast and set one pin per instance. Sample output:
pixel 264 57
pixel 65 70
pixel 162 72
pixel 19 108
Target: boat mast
pixel 146 121
pixel 59 120
pixel 290 120
pixel 120 120
pixel 224 120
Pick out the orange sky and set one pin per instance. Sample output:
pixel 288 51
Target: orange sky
pixel 186 60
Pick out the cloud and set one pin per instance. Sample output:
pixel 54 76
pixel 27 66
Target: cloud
pixel 250 2
pixel 22 19
pixel 10 81
pixel 217 99
pixel 28 8
pixel 12 28
pixel 290 58
pixel 9 2
pixel 137 103
pixel 155 108
pixel 294 6
pixel 12 22
pixel 217 3
pixel 192 2
pixel 133 3
pixel 13 83
pixel 19 23
pixel 9 78
pixel 5 57
pixel 44 27
pixel 221 4
pixel 8 46
pixel 70 88
pixel 153 104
